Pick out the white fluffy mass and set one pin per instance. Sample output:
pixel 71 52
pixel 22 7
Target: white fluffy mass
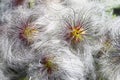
pixel 59 40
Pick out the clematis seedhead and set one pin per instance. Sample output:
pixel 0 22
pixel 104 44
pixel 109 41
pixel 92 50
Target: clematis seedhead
pixel 48 64
pixel 28 33
pixel 76 34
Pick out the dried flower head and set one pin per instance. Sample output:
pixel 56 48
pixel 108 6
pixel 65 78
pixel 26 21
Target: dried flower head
pixel 110 65
pixel 21 32
pixel 76 34
pixel 24 27
pixel 57 62
pixel 48 63
pixel 28 33
pixel 77 29
pixel 107 44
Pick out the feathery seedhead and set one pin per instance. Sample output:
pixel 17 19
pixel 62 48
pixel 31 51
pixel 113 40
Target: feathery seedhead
pixel 48 64
pixel 110 65
pixel 28 33
pixel 106 45
pixel 77 27
pixel 76 34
